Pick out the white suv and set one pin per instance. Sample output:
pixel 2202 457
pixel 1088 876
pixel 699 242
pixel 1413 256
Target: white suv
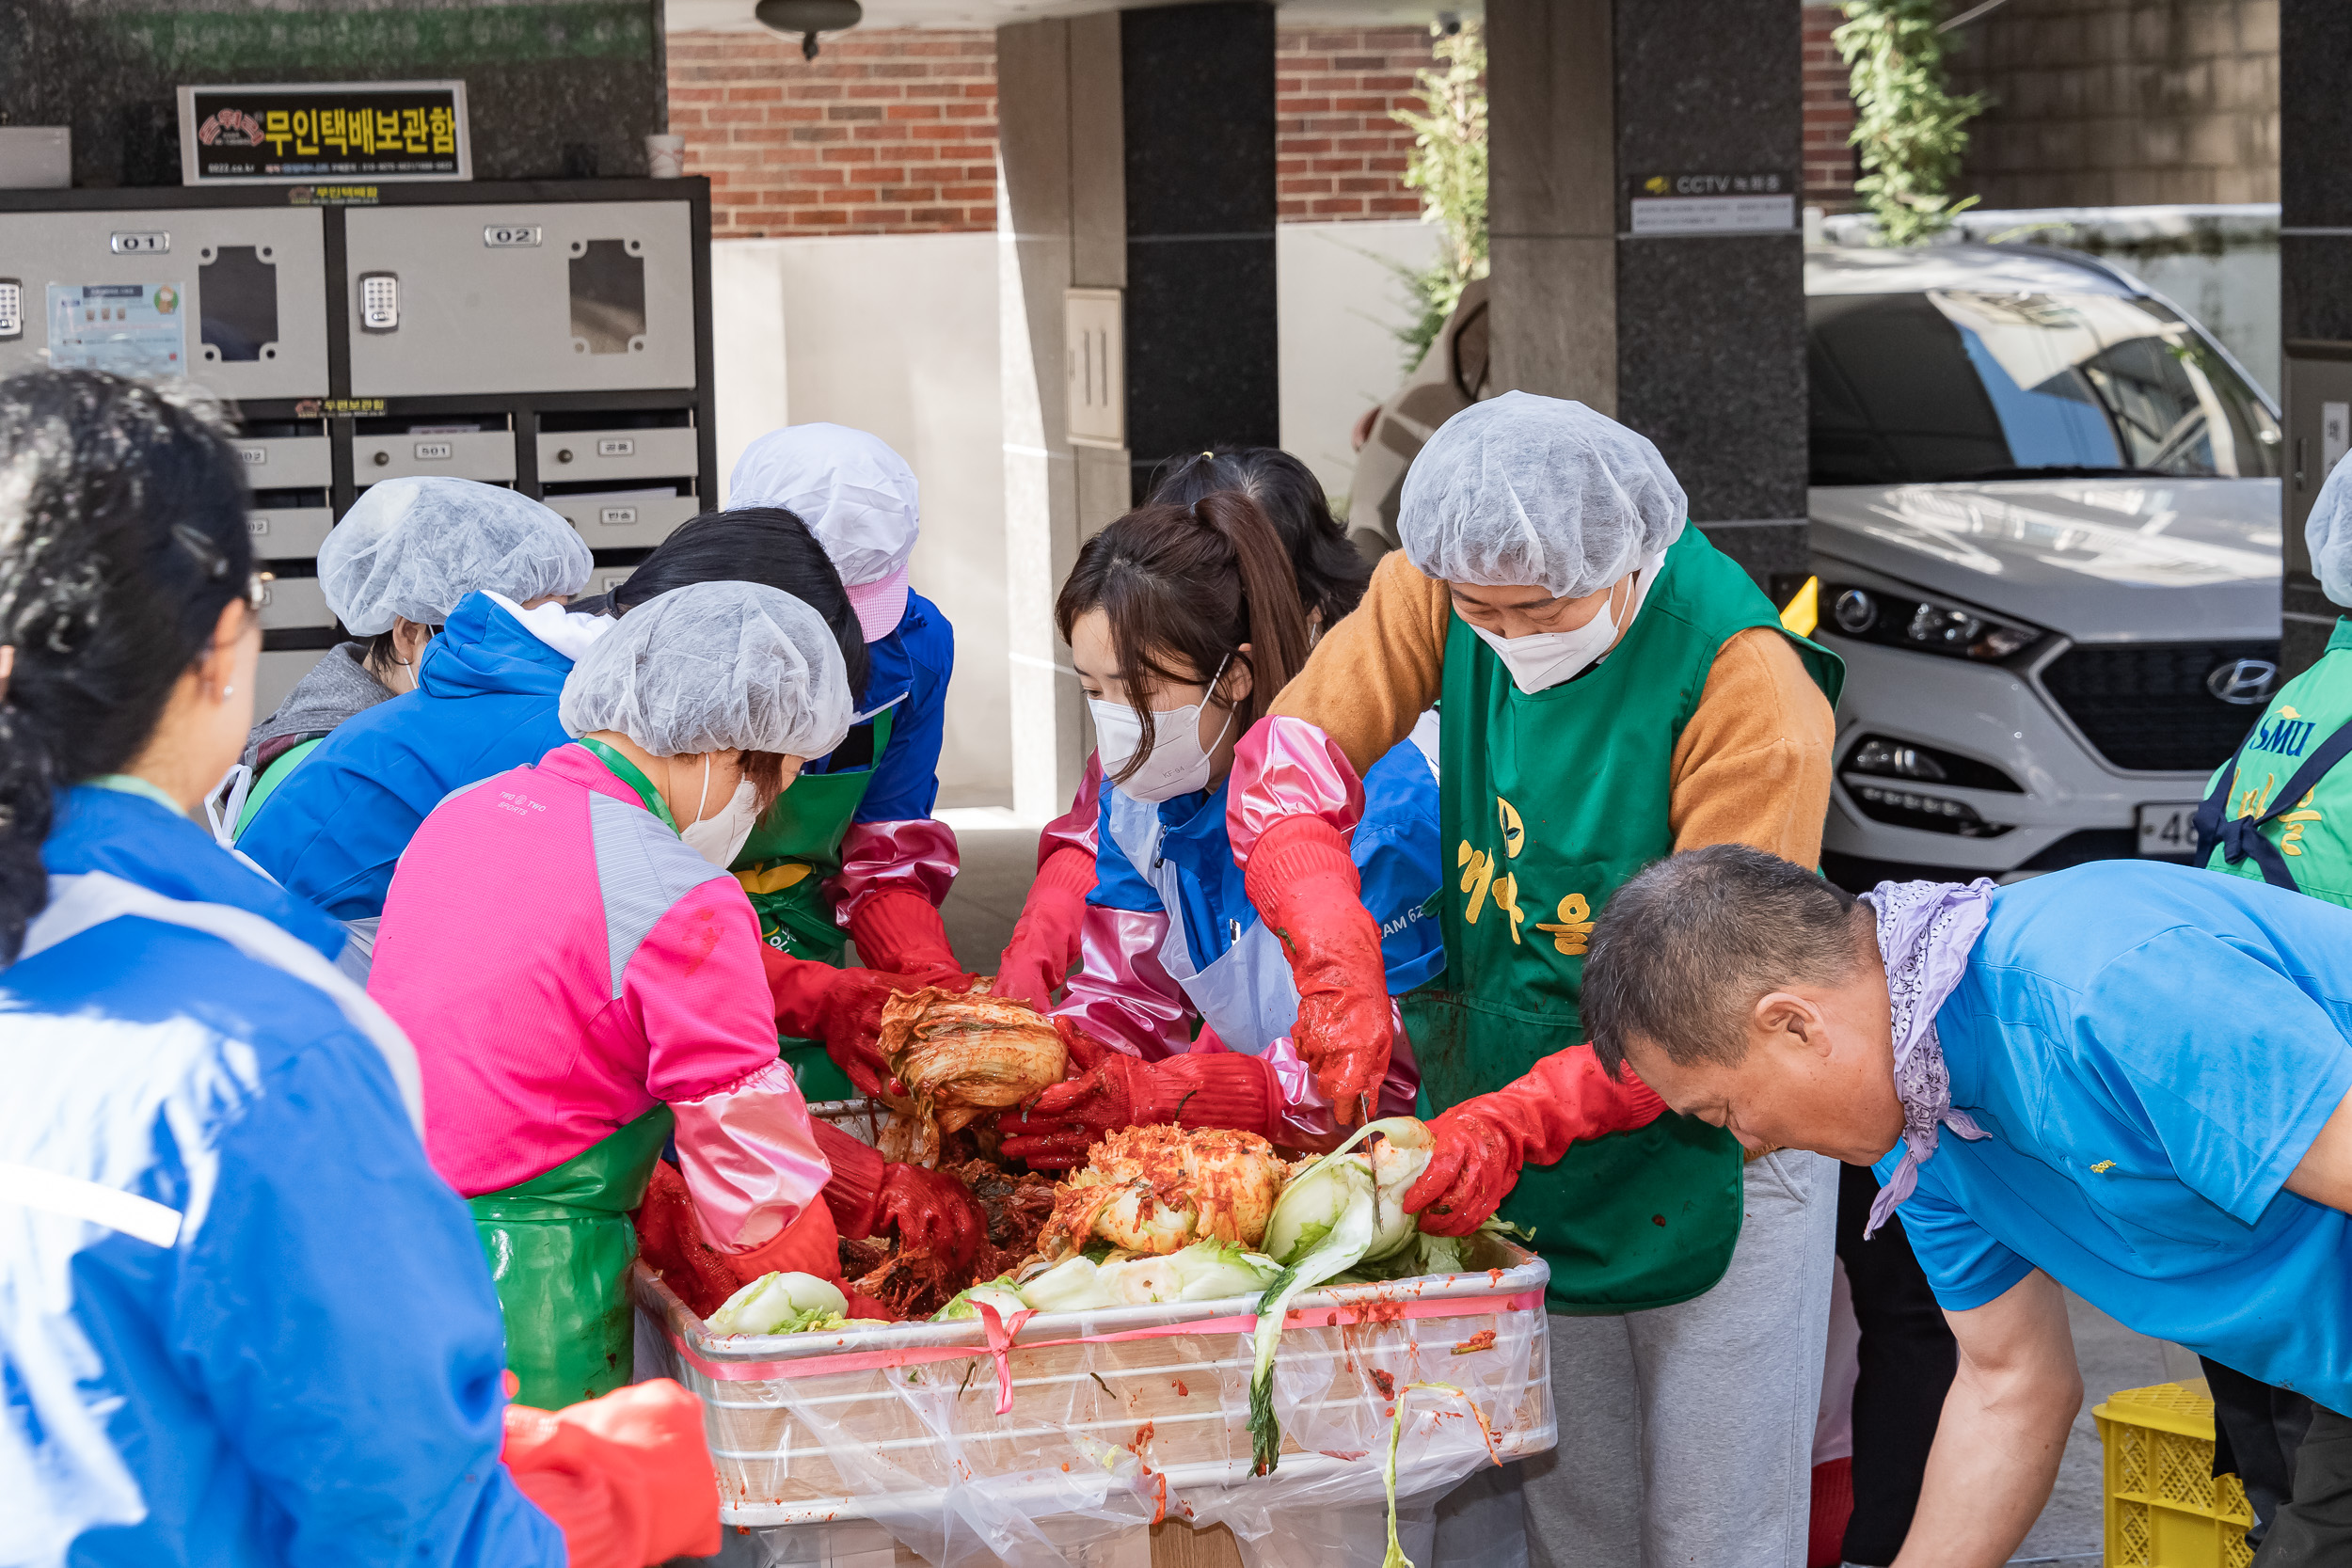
pixel 2046 522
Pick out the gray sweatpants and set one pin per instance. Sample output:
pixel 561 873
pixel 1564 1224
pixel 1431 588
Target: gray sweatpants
pixel 1686 1434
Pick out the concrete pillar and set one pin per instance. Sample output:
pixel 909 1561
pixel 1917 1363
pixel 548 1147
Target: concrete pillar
pixel 1135 152
pixel 2314 295
pixel 1693 337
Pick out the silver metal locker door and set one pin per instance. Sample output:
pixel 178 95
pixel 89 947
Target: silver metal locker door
pixel 555 297
pixel 252 282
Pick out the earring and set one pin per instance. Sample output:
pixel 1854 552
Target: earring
pixel 227 693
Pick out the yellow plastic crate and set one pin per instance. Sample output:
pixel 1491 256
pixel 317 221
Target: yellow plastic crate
pixel 2165 1506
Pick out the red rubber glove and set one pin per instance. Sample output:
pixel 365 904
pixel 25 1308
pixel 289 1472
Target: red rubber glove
pixel 842 1008
pixel 810 1244
pixel 1308 891
pixel 1217 1089
pixel 1044 940
pixel 669 1239
pixel 900 930
pixel 1482 1142
pixel 627 1477
pixel 871 1196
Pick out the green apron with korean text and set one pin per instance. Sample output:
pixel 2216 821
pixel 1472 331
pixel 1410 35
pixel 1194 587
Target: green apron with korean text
pixel 2300 822
pixel 1546 805
pixel 784 864
pixel 560 1246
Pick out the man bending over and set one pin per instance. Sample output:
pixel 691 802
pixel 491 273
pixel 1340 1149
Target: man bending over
pixel 2127 1079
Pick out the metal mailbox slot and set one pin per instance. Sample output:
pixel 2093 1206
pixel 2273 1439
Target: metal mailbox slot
pixel 484 454
pixel 294 602
pixel 604 302
pixel 252 281
pixel 625 519
pixel 585 454
pixel 286 461
pixel 288 532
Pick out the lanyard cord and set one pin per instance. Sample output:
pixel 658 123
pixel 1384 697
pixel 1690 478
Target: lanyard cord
pixel 631 775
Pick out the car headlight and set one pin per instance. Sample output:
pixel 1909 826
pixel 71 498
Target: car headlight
pixel 1906 620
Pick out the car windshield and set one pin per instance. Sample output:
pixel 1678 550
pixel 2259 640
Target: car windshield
pixel 1958 383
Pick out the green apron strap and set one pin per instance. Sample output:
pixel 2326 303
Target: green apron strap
pixel 559 1246
pixel 280 768
pixel 631 775
pixel 784 867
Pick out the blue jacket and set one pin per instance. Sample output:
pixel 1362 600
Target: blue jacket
pixel 484 703
pixel 312 1371
pixel 1395 849
pixel 913 662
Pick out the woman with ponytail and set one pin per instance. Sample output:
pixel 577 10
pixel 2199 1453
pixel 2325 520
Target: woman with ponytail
pixel 249 1323
pixel 1331 577
pixel 1182 622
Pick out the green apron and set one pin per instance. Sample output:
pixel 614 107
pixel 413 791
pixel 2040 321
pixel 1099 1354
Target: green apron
pixel 2302 844
pixel 560 1246
pixel 1546 805
pixel 784 864
pixel 280 768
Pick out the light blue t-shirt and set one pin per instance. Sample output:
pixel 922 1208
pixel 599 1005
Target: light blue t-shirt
pixel 2152 1049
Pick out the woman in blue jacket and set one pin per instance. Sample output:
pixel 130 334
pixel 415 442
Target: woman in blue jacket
pixel 484 702
pixel 251 1325
pixel 878 862
pixel 1183 623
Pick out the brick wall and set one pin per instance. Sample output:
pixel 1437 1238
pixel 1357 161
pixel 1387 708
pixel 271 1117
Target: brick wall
pixel 885 133
pixel 2123 102
pixel 895 131
pixel 1338 154
pixel 1829 161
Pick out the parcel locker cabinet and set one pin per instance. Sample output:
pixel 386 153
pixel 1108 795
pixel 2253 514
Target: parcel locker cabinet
pixel 530 297
pixel 249 283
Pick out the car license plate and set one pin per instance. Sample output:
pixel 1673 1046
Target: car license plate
pixel 2168 830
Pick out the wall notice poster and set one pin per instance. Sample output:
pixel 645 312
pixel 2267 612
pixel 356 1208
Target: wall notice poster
pixel 305 132
pixel 130 328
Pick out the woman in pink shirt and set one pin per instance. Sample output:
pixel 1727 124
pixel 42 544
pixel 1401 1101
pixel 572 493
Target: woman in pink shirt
pixel 583 979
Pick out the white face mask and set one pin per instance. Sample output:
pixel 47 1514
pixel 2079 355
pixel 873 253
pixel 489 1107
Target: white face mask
pixel 1179 764
pixel 1544 659
pixel 720 838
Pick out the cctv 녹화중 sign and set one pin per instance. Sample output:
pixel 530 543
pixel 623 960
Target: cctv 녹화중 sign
pixel 1712 203
pixel 303 132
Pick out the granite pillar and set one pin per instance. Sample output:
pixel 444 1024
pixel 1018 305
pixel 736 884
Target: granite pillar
pixel 1135 151
pixel 554 89
pixel 1695 338
pixel 2314 292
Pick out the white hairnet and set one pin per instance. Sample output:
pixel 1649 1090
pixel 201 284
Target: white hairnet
pixel 2329 533
pixel 1530 490
pixel 413 547
pixel 856 495
pixel 712 666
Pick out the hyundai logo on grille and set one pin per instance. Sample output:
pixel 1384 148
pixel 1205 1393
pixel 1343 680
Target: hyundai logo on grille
pixel 2243 681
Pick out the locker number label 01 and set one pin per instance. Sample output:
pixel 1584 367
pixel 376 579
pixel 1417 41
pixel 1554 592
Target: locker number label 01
pixel 616 446
pixel 511 236
pixel 140 241
pixel 427 450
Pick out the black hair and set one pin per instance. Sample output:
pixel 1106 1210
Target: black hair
pixel 1681 951
pixel 1332 574
pixel 122 537
pixel 753 544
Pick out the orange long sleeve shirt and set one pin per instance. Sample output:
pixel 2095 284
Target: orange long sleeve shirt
pixel 1752 767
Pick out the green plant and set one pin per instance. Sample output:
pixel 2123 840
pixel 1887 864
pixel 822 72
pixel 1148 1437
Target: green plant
pixel 1449 168
pixel 1910 126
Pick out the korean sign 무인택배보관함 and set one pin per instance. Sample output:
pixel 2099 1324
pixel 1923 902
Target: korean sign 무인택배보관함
pixel 272 134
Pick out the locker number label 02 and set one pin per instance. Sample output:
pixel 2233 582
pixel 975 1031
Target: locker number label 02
pixel 511 236
pixel 427 450
pixel 617 515
pixel 616 446
pixel 140 241
pixel 254 456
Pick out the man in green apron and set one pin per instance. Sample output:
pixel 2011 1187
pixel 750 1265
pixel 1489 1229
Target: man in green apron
pixel 1610 688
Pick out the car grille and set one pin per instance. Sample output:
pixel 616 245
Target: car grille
pixel 2146 706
